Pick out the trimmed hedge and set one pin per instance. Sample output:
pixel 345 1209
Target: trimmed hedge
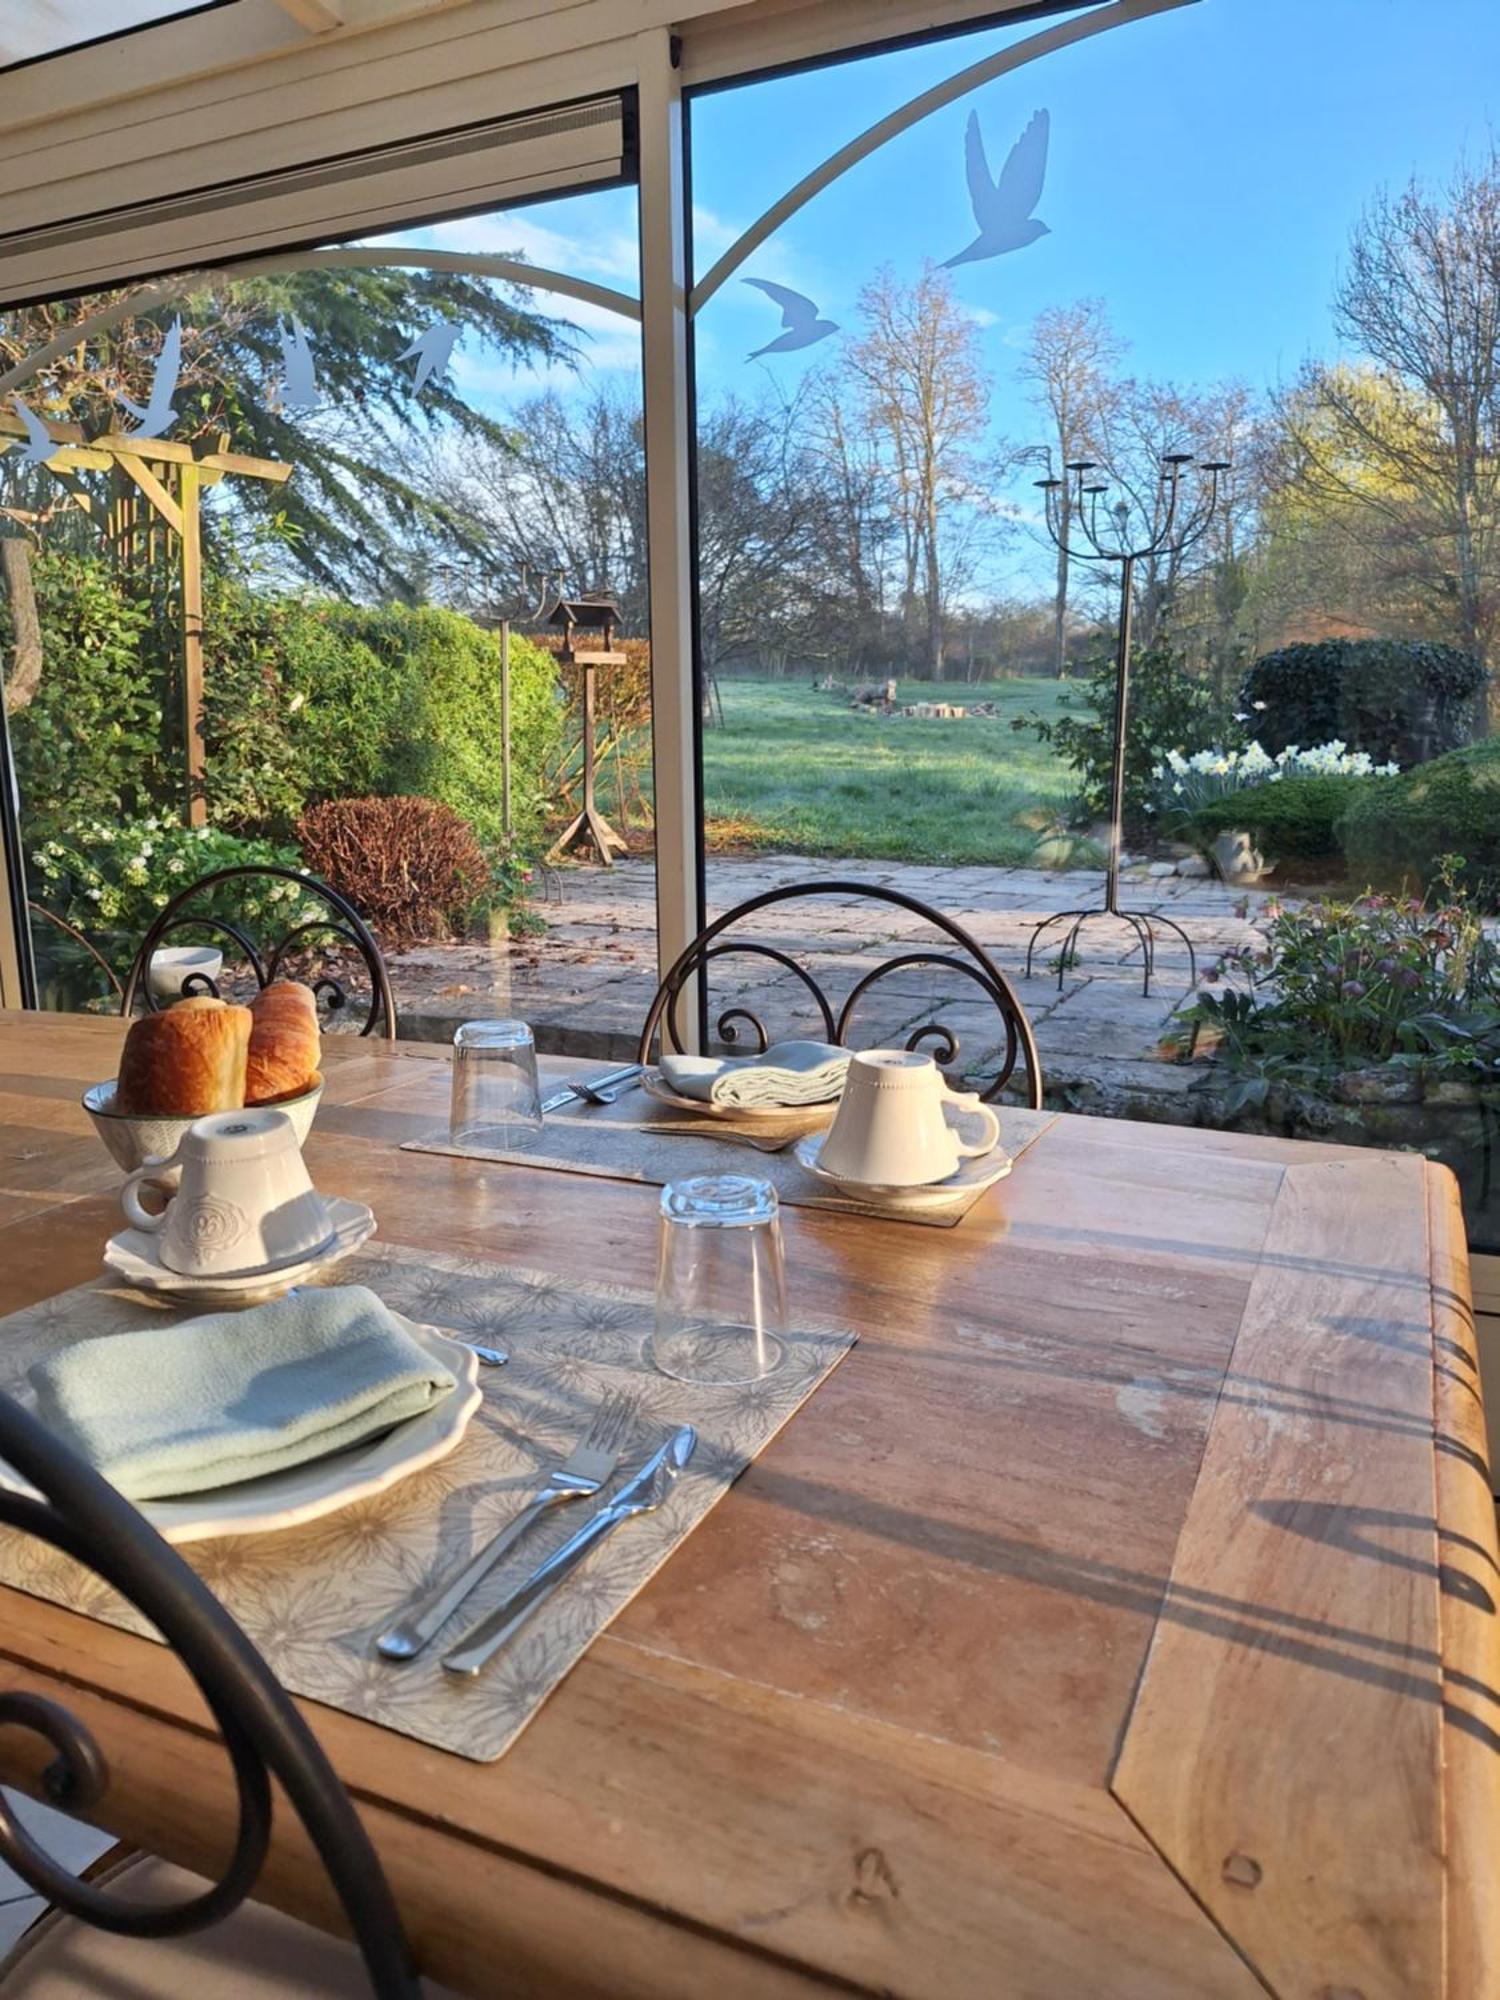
pixel 1402 701
pixel 1292 820
pixel 1397 829
pixel 310 699
pixel 306 698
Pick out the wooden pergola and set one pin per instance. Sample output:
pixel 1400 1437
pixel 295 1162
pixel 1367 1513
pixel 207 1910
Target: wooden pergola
pixel 156 487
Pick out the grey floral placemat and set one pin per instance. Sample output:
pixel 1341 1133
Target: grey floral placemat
pixel 636 1139
pixel 313 1598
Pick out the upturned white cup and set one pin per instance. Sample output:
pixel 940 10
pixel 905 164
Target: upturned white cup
pixel 239 1198
pixel 893 1126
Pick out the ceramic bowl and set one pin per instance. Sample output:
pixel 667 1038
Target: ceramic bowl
pixel 174 963
pixel 134 1138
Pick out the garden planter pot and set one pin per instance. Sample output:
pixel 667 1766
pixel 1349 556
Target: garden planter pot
pixel 1238 859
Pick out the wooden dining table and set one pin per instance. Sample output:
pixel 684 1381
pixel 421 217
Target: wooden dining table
pixel 1118 1619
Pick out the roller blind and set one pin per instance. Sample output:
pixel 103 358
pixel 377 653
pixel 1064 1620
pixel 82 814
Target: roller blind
pixel 479 166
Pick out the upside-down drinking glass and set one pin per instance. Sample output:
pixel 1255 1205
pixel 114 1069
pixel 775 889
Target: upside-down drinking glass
pixel 720 1282
pixel 497 1101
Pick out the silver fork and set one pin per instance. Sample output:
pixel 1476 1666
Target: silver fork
pixel 584 1471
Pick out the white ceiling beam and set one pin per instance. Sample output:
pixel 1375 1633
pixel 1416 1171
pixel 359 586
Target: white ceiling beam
pixel 317 16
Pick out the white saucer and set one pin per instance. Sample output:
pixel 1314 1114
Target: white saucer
pixel 306 1492
pixel 970 1177
pixel 135 1256
pixel 761 1121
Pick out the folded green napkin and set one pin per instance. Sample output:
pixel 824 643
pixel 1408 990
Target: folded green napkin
pixel 202 1403
pixel 787 1073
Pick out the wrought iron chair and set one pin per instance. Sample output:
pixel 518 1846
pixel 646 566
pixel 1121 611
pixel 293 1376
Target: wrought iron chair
pixel 258 1952
pixel 971 962
pixel 343 923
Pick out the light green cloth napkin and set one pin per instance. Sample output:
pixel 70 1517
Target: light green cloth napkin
pixel 202 1403
pixel 787 1073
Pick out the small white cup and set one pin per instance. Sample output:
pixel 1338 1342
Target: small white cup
pixel 892 1127
pixel 240 1198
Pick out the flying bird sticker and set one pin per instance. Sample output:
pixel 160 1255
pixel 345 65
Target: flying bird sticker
pixel 299 390
pixel 39 442
pixel 798 315
pixel 1004 209
pixel 158 415
pixel 431 350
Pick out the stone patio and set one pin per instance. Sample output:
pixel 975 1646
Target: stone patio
pixel 585 985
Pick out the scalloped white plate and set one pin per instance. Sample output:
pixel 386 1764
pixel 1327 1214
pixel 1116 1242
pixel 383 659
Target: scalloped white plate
pixel 968 1178
pixel 135 1256
pixel 307 1492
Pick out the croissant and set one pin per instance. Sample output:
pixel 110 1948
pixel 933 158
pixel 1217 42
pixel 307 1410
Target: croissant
pixel 186 1061
pixel 284 1043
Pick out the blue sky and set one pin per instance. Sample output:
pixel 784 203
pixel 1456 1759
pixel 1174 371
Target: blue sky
pixel 1205 169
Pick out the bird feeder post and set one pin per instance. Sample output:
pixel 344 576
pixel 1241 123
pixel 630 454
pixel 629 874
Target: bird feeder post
pixel 505 812
pixel 589 616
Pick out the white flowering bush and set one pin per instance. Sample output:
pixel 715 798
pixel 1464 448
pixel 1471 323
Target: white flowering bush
pixel 111 880
pixel 1184 784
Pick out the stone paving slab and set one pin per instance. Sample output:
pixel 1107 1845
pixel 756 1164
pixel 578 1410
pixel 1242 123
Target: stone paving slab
pixel 585 986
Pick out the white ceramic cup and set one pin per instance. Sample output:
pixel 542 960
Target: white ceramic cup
pixel 892 1127
pixel 240 1198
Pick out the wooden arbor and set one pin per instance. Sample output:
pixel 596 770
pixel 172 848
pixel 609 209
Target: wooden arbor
pixel 156 485
pixel 588 629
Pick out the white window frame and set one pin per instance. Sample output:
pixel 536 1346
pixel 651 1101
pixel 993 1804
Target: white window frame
pixel 256 87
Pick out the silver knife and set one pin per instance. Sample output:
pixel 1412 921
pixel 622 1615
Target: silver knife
pixel 629 1074
pixel 641 1495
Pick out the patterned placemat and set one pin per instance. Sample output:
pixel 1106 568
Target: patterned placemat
pixel 637 1139
pixel 313 1598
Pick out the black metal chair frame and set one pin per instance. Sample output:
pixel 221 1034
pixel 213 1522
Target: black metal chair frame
pixel 664 1014
pixel 345 923
pixel 82 1514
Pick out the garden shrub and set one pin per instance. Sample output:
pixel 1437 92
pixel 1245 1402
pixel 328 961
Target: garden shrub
pixel 305 698
pixel 1293 820
pixel 412 867
pixel 1169 709
pixel 1398 830
pixel 1401 700
pixel 93 741
pixel 1335 987
pixel 310 699
pixel 110 880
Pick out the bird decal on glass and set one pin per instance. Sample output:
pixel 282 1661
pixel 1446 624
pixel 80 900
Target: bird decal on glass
pixel 798 315
pixel 431 350
pixel 157 415
pixel 299 376
pixel 40 443
pixel 1003 209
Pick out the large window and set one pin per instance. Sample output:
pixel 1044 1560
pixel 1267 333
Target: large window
pixel 1255 232
pixel 283 554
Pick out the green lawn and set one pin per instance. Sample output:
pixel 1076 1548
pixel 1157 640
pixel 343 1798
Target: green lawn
pixel 791 768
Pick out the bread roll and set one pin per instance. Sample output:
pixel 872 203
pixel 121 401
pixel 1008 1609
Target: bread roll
pixel 186 1061
pixel 284 1043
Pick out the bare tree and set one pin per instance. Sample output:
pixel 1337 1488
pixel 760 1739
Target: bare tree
pixel 1407 449
pixel 1140 423
pixel 1068 369
pixel 565 498
pixel 925 392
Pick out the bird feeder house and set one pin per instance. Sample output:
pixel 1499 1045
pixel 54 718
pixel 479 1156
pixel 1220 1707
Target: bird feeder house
pixel 588 629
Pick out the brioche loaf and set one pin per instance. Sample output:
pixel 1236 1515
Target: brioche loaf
pixel 284 1043
pixel 186 1061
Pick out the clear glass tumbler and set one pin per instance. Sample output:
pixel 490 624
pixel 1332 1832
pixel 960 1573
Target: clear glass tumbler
pixel 497 1101
pixel 720 1281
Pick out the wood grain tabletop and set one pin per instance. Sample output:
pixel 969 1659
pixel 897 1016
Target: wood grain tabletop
pixel 1119 1619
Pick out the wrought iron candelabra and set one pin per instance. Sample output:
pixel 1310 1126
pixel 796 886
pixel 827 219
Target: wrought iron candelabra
pixel 1087 531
